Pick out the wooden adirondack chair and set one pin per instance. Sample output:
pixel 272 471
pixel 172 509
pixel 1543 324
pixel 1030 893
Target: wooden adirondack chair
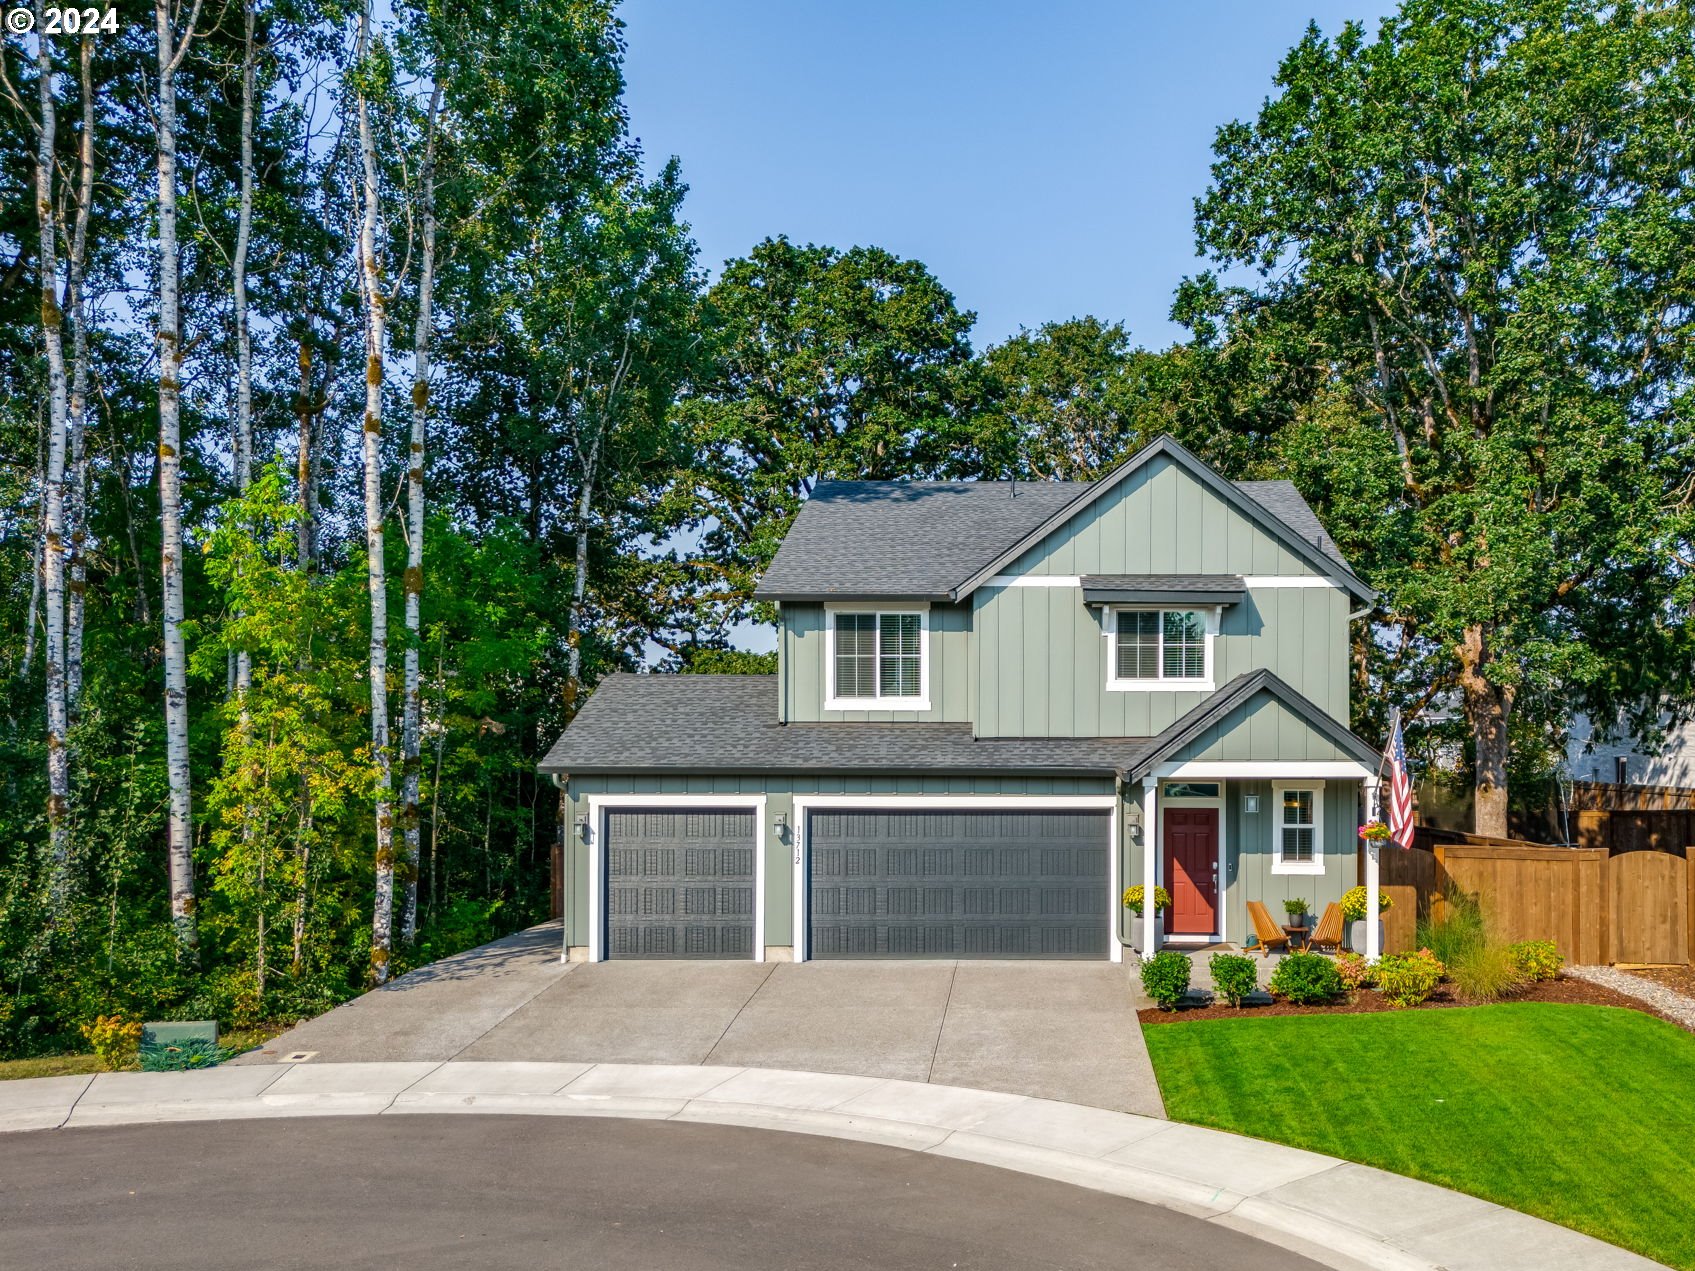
pixel 1270 934
pixel 1328 933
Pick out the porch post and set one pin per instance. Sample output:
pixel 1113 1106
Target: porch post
pixel 1373 949
pixel 1150 865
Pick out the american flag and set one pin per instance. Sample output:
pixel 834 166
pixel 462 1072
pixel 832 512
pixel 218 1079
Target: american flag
pixel 1400 788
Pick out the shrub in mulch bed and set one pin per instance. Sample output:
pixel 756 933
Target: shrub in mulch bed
pixel 1366 1001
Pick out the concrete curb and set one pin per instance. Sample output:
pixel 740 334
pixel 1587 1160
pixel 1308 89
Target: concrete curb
pixel 1339 1214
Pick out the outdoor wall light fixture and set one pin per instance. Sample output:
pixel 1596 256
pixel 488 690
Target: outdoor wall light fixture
pixel 583 828
pixel 780 826
pixel 1133 819
pixel 1250 803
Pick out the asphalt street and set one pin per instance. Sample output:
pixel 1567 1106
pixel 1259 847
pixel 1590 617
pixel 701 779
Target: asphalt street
pixel 488 1192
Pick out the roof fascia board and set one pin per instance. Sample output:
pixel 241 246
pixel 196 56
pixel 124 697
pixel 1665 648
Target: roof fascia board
pixel 1169 446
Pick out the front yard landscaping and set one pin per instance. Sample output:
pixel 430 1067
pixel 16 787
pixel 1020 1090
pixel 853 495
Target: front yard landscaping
pixel 1579 1114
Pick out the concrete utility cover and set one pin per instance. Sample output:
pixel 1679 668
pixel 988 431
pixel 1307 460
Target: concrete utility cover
pixel 1055 1030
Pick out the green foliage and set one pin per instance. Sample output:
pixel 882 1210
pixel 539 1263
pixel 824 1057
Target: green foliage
pixel 1294 907
pixel 1355 901
pixel 1165 978
pixel 1133 899
pixel 1234 976
pixel 1469 343
pixel 1538 959
pixel 183 1056
pixel 731 662
pixel 1454 928
pixel 1406 979
pixel 1354 971
pixel 115 1040
pixel 1306 979
pixel 1486 972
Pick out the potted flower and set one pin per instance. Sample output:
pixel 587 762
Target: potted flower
pixel 1296 908
pixel 1354 905
pixel 1133 902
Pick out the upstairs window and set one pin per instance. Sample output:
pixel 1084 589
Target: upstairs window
pixel 1169 648
pixel 877 660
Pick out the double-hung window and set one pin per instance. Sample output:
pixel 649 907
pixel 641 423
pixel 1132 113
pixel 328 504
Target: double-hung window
pixel 877 660
pixel 1161 648
pixel 1298 843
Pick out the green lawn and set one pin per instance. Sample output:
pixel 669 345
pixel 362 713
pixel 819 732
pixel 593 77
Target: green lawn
pixel 1584 1115
pixel 48 1066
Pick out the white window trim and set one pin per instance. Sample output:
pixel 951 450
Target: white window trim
pixel 1278 864
pixel 905 704
pixel 600 804
pixel 807 803
pixel 1206 684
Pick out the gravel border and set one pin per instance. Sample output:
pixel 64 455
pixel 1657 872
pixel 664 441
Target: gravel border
pixel 1679 1007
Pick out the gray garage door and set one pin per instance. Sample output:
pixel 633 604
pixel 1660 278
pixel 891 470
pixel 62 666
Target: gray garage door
pixel 958 884
pixel 679 883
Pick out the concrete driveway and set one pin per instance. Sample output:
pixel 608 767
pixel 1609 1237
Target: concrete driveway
pixel 1055 1030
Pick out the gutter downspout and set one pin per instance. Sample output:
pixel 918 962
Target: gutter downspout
pixel 561 782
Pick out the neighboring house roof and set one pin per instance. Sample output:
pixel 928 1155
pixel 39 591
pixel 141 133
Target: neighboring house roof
pixel 941 540
pixel 904 539
pixel 1148 589
pixel 1238 691
pixel 728 723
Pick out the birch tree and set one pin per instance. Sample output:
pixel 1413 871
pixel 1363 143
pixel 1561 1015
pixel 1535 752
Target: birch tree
pixel 411 725
pixel 76 293
pixel 53 543
pixel 173 44
pixel 376 344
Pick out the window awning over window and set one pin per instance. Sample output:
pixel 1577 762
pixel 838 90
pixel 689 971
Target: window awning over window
pixel 1162 589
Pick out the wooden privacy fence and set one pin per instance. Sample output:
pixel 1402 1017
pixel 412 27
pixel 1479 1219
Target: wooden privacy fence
pixel 1597 907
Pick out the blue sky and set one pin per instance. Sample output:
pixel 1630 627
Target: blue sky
pixel 1041 160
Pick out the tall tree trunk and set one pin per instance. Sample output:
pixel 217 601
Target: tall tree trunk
pixel 180 820
pixel 243 334
pixel 306 529
pixel 376 319
pixel 53 522
pixel 1488 706
pixel 411 722
pixel 76 510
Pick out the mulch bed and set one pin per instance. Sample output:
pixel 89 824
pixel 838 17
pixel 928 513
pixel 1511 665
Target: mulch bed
pixel 1680 979
pixel 1366 1001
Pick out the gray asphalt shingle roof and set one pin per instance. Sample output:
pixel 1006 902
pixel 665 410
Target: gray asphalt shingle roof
pixel 1218 589
pixel 728 723
pixel 905 538
pixel 927 539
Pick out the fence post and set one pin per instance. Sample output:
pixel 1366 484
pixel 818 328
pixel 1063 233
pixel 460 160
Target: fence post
pixel 1439 888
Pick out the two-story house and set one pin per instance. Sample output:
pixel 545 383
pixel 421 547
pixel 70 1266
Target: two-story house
pixel 996 705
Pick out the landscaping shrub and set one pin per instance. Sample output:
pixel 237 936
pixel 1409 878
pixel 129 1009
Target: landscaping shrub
pixel 1354 970
pixel 1406 979
pixel 1538 959
pixel 199 1052
pixel 1233 976
pixel 1460 928
pixel 1306 979
pixel 1165 976
pixel 115 1041
pixel 1486 972
pixel 1354 903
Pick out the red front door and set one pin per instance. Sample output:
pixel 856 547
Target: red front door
pixel 1191 870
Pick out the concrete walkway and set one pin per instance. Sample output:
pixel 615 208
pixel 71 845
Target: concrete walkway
pixel 1339 1214
pixel 1055 1030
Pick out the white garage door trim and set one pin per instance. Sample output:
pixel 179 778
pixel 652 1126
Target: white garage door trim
pixel 805 804
pixel 601 804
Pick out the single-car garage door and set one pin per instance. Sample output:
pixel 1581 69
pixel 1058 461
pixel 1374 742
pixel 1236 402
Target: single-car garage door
pixel 958 884
pixel 679 882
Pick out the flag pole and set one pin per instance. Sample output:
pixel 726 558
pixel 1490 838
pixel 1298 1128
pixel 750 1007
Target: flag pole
pixel 1374 812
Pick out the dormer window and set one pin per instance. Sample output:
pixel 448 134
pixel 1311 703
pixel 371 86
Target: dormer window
pixel 1161 648
pixel 878 659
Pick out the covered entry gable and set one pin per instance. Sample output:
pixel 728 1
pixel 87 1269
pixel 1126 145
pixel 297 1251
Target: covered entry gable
pixel 1256 719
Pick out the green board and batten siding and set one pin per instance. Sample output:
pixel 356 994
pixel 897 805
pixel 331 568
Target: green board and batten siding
pixel 803 684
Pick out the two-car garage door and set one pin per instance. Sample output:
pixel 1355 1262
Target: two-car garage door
pixel 958 884
pixel 880 882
